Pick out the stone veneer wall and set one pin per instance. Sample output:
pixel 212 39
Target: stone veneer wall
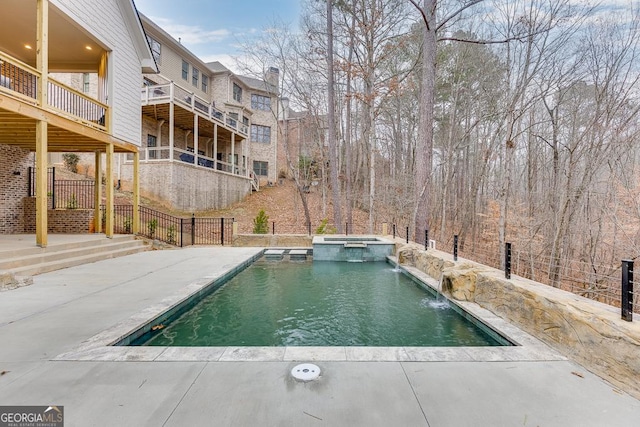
pixel 187 187
pixel 589 332
pixel 61 221
pixel 14 176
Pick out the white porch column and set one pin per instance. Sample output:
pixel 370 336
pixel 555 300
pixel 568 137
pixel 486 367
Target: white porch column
pixel 233 153
pixel 171 121
pixel 195 139
pixel 215 146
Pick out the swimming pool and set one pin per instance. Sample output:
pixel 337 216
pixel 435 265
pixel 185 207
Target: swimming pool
pixel 320 304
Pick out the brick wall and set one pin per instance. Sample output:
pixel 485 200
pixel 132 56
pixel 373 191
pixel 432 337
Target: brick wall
pixel 14 164
pixel 61 221
pixel 222 91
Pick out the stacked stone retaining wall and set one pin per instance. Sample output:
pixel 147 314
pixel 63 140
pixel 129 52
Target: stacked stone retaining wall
pixel 591 333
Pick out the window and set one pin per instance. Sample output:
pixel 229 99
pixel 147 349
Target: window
pixel 195 76
pixel 155 49
pixel 85 82
pixel 185 70
pixel 237 93
pixel 261 134
pixel 152 142
pixel 259 102
pixel 260 168
pixel 205 83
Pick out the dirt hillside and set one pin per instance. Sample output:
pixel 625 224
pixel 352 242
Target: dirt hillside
pixel 283 205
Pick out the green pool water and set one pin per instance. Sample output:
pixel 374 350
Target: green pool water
pixel 275 303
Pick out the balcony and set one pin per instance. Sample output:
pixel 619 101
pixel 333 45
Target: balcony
pixel 171 92
pixel 20 80
pixel 219 135
pixel 77 122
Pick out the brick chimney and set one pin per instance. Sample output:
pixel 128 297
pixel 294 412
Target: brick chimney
pixel 273 77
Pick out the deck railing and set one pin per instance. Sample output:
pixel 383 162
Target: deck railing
pixel 21 81
pixel 171 92
pixel 77 105
pixel 18 78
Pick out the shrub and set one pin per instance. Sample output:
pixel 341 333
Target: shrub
pixel 323 228
pixel 152 225
pixel 71 161
pixel 72 203
pixel 261 223
pixel 171 235
pixel 128 224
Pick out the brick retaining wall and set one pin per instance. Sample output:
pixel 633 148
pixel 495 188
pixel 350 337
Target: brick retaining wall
pixel 60 221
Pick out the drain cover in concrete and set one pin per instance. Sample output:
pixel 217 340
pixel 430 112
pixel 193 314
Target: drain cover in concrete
pixel 305 372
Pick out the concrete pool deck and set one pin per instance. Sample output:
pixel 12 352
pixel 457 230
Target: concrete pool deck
pixel 46 327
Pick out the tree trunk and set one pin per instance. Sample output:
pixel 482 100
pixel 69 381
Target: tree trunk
pixel 424 145
pixel 331 118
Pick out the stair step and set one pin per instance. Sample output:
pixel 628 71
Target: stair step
pixel 71 245
pixel 46 267
pixel 68 252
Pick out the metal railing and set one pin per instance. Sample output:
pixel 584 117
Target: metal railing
pixel 177 231
pixel 64 193
pixel 19 78
pixel 22 81
pixel 612 285
pixel 51 189
pixel 74 194
pixel 171 92
pixel 76 104
pixel 301 227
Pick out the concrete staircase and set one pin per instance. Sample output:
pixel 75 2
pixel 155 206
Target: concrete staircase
pixel 25 262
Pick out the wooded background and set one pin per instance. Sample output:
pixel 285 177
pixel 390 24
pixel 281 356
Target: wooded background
pixel 497 121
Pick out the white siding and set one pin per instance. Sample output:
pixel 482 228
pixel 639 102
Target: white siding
pixel 104 19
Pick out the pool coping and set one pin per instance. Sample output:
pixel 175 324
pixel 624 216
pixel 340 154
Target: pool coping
pixel 101 347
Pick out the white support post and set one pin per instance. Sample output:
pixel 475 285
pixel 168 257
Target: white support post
pixel 195 139
pixel 233 153
pixel 171 121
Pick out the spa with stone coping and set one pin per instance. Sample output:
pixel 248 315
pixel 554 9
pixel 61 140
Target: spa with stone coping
pixel 352 248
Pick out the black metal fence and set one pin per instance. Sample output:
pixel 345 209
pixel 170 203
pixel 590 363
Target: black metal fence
pixel 171 229
pixel 51 177
pixel 608 292
pixel 64 193
pixel 302 227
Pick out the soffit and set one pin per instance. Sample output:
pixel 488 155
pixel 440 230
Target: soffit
pixel 67 40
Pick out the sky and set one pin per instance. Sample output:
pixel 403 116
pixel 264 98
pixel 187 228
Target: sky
pixel 213 29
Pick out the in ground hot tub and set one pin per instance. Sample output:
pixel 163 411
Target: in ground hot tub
pixel 351 248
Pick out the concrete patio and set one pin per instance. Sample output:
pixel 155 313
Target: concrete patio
pixel 48 329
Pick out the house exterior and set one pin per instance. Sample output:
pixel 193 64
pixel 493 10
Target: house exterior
pixel 301 142
pixel 195 151
pixel 41 115
pixel 255 102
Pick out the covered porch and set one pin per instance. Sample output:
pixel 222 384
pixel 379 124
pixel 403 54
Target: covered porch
pixel 192 130
pixel 42 115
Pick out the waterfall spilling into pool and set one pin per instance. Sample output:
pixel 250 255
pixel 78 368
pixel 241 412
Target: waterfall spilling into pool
pixel 351 248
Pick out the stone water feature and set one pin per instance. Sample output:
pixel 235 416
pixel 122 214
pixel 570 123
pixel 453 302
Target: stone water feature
pixel 587 331
pixel 352 248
